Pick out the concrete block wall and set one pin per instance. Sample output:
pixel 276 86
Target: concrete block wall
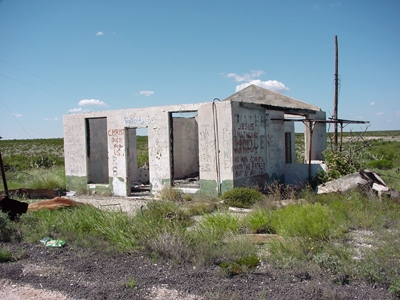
pixel 319 136
pixel 223 118
pixel 118 143
pixel 235 142
pixel 75 145
pixel 250 160
pixel 207 149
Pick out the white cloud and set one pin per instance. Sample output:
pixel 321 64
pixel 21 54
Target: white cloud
pixel 91 102
pixel 398 113
pixel 246 76
pixel 100 33
pixel 272 85
pixel 51 119
pixel 379 114
pixel 17 115
pixel 77 110
pixel 372 103
pixel 146 93
pixel 250 78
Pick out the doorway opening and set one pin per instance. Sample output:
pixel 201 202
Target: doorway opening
pixel 97 151
pixel 184 150
pixel 137 159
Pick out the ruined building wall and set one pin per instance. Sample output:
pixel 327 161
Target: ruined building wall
pixel 215 147
pixel 75 152
pixel 118 146
pixel 250 158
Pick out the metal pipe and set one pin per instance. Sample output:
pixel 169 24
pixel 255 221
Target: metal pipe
pixel 216 141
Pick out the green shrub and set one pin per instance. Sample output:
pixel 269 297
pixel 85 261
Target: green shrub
pixel 131 283
pixel 5 255
pixel 200 207
pixel 169 245
pixel 381 164
pixel 326 261
pixel 240 265
pixel 259 221
pixel 242 197
pixel 308 221
pixel 395 287
pixel 84 225
pixel 168 193
pixel 219 224
pixel 338 164
pixel 53 178
pixel 8 229
pixel 42 162
pixel 214 239
pixel 160 229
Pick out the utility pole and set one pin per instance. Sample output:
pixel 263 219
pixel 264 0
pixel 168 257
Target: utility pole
pixel 335 109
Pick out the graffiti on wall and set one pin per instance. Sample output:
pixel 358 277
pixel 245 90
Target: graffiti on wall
pixel 131 121
pixel 115 136
pixel 249 145
pixel 206 148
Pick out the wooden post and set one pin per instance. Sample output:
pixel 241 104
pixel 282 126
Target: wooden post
pixel 311 130
pixel 3 175
pixel 335 109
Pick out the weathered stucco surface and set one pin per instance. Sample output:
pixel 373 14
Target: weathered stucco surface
pixel 242 140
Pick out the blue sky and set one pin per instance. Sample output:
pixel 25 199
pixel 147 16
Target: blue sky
pixel 61 57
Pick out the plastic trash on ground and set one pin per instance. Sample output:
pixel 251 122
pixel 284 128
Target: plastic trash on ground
pixel 49 242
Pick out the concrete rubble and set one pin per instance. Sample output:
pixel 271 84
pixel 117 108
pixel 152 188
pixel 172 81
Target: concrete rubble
pixel 368 180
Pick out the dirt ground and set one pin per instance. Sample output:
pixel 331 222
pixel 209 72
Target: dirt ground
pixel 76 273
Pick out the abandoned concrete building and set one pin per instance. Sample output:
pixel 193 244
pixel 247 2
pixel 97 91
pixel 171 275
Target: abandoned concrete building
pixel 212 147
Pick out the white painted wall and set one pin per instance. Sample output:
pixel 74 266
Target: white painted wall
pixel 249 142
pixel 75 145
pixel 236 141
pixel 207 146
pixel 155 118
pixel 297 174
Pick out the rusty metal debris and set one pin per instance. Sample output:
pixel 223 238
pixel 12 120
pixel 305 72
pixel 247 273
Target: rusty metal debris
pixel 14 208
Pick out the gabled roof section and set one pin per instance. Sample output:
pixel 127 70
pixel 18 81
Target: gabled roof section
pixel 257 95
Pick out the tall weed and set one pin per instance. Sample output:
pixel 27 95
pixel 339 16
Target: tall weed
pixel 218 224
pixel 309 220
pixel 160 229
pixel 259 221
pixel 84 225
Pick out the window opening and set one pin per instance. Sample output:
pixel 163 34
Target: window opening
pixel 137 155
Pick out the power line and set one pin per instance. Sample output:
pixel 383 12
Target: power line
pixel 38 76
pixel 15 118
pixel 36 87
